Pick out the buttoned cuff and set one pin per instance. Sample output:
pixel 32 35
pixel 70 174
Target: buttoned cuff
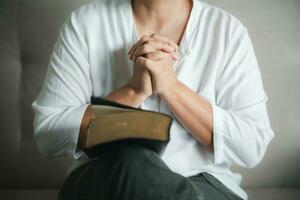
pixel 218 131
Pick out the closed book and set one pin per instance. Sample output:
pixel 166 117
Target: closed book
pixel 116 124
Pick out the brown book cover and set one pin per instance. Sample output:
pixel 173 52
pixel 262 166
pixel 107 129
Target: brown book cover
pixel 116 124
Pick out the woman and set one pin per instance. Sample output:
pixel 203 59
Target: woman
pixel 185 58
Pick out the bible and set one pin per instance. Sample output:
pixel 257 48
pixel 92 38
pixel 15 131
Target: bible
pixel 117 124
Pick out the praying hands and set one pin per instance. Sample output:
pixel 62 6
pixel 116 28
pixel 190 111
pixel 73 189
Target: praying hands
pixel 153 58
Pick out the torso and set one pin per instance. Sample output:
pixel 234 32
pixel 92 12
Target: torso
pixel 109 31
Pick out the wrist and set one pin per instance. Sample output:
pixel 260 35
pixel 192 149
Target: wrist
pixel 127 96
pixel 140 96
pixel 170 89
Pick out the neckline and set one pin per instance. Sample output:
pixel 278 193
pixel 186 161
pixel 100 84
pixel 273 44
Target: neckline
pixel 184 45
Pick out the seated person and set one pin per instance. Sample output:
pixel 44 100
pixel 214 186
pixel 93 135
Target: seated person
pixel 184 58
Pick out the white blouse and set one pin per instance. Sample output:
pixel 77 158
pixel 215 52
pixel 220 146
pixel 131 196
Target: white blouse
pixel 217 61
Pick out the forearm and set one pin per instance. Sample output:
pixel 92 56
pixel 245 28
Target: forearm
pixel 124 95
pixel 192 111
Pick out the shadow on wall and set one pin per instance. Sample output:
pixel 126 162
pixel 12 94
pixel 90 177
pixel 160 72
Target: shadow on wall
pixel 34 29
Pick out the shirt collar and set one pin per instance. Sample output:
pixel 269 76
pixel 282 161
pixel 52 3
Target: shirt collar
pixel 185 44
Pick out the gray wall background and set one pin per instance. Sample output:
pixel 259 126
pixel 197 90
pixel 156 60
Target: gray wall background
pixel 274 27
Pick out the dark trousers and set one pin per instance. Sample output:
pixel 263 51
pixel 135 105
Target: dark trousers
pixel 133 172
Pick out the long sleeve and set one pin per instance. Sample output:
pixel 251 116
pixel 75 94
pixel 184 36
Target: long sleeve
pixel 65 94
pixel 241 124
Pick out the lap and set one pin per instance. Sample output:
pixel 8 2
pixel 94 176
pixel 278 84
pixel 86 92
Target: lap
pixel 135 172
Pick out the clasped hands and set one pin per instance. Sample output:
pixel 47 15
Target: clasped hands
pixel 153 72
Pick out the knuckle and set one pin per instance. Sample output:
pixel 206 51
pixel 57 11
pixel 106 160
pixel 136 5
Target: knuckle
pixel 140 50
pixel 166 46
pixel 144 38
pixel 146 62
pixel 160 44
pixel 139 60
pixel 156 36
pixel 137 50
pixel 144 48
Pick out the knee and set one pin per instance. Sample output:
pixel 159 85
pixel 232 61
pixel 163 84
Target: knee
pixel 124 155
pixel 133 154
pixel 137 160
